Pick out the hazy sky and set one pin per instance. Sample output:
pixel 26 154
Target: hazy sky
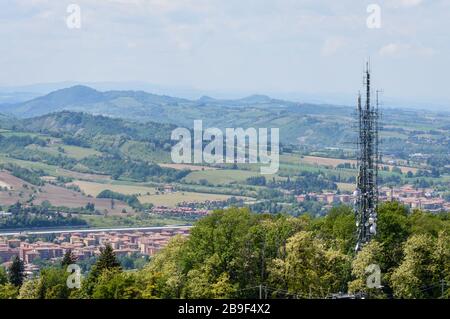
pixel 258 46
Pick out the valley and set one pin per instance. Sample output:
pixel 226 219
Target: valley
pixel 113 171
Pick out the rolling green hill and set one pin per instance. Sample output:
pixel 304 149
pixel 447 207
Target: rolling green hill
pixel 314 127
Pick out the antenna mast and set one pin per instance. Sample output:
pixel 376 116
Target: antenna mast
pixel 366 193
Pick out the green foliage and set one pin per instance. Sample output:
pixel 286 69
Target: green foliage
pixel 426 262
pixel 394 228
pixel 232 253
pixel 338 228
pixel 106 261
pixel 68 259
pixel 204 282
pixel 131 200
pixel 256 180
pixel 8 291
pixel 16 272
pixel 132 169
pixel 29 289
pixel 426 223
pixel 227 255
pixel 133 261
pixel 115 284
pixel 37 216
pixel 305 182
pixel 164 276
pixel 309 268
pixel 370 254
pixel 30 176
pixel 3 276
pixel 68 124
pixel 53 284
pixel 318 125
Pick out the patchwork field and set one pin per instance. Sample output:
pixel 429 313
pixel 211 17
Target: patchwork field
pixel 93 189
pixel 54 171
pixel 10 181
pixel 220 176
pixel 57 196
pixel 346 187
pixel 330 162
pixel 75 152
pixel 188 166
pixel 148 194
pixel 3 184
pixel 172 199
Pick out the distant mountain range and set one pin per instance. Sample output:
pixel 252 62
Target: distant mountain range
pixel 252 111
pixel 320 125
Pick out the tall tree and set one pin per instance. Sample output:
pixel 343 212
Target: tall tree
pixel 164 277
pixel 68 259
pixel 29 289
pixel 106 261
pixel 8 291
pixel 309 268
pixel 414 277
pixel 3 276
pixel 114 284
pixel 53 284
pixel 425 269
pixel 362 268
pixel 16 272
pixel 393 230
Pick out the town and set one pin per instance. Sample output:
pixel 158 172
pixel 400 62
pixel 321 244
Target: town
pixel 425 199
pixel 85 244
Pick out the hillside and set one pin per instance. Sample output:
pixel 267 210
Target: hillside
pixel 87 126
pixel 131 104
pixel 310 126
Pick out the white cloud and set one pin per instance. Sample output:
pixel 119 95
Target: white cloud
pixel 400 49
pixel 225 43
pixel 333 45
pixel 392 49
pixel 404 3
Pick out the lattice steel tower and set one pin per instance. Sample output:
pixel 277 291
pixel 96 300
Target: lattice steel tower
pixel 366 193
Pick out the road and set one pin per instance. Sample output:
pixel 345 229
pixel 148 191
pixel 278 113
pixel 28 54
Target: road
pixel 86 230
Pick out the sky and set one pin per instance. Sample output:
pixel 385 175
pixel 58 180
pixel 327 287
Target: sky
pixel 302 49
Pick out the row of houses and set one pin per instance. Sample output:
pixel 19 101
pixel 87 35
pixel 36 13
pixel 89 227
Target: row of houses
pixel 420 198
pixel 88 244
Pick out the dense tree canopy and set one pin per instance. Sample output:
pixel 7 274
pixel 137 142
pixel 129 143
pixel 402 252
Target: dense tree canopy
pixel 235 253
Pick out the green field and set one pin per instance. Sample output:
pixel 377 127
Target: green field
pixel 48 169
pixel 220 176
pixel 346 187
pixel 172 199
pixel 75 152
pixel 93 188
pixel 79 152
pixel 14 133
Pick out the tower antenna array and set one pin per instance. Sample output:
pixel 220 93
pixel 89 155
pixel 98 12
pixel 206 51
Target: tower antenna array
pixel 366 193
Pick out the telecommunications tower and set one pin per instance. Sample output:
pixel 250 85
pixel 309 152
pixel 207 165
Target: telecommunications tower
pixel 366 193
